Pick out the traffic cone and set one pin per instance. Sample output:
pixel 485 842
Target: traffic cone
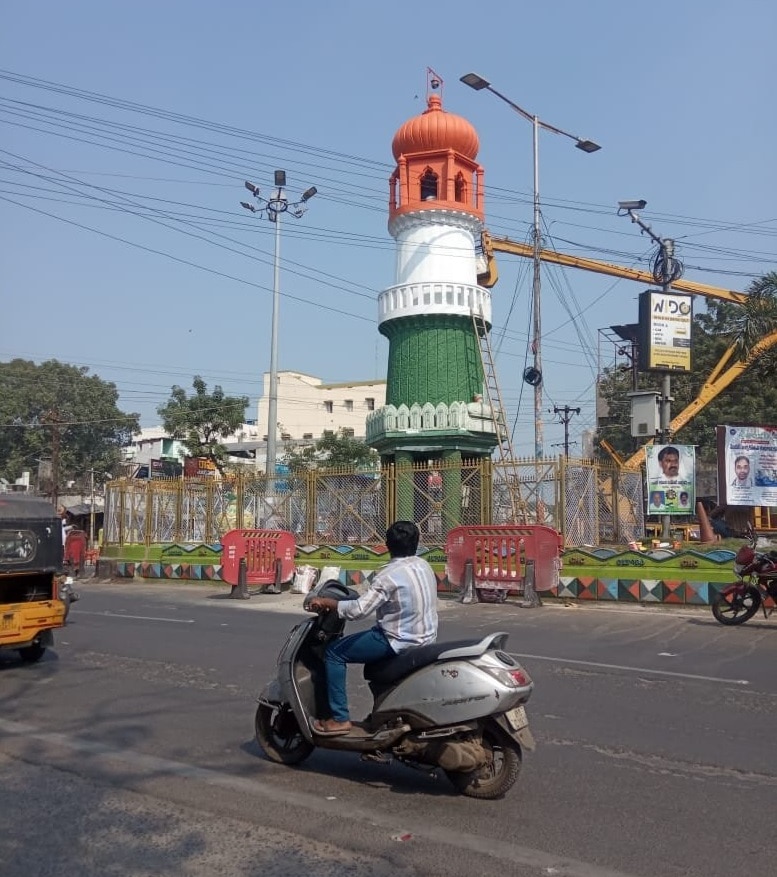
pixel 706 533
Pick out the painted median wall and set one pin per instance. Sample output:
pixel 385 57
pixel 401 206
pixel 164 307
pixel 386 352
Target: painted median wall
pixel 676 578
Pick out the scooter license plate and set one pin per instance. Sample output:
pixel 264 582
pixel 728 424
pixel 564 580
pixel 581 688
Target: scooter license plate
pixel 516 718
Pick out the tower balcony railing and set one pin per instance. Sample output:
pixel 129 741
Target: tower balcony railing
pixel 438 297
pixel 475 417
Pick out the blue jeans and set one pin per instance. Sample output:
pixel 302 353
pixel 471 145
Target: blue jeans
pixel 358 648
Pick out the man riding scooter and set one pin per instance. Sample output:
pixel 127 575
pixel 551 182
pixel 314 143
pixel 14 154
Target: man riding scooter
pixel 403 595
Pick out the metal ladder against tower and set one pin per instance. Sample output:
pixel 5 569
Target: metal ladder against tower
pixel 494 399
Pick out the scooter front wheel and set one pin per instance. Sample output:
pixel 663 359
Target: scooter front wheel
pixel 497 777
pixel 279 734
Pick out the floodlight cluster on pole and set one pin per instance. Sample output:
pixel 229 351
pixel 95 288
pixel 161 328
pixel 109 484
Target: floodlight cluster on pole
pixel 272 208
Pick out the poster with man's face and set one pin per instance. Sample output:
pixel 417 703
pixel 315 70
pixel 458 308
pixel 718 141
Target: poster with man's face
pixel 671 479
pixel 749 465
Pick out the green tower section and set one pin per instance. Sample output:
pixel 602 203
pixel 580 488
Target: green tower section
pixel 433 358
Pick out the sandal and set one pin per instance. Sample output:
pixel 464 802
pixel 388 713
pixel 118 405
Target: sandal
pixel 320 730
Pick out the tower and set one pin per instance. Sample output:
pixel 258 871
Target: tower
pixel 434 395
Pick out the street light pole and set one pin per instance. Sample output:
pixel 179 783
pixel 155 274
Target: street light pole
pixel 533 376
pixel 272 209
pixel 539 435
pixel 272 402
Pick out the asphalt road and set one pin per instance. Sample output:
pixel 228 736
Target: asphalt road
pixel 128 750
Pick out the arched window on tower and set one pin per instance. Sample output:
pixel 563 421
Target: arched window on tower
pixel 460 188
pixel 429 185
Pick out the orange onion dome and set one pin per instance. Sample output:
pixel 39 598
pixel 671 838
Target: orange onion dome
pixel 436 129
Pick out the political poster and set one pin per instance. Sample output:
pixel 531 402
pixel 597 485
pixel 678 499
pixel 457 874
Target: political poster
pixel 748 467
pixel 671 479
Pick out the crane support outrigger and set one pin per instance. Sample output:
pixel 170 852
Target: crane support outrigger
pixel 727 370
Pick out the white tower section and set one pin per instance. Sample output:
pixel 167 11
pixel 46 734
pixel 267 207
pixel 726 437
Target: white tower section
pixel 436 266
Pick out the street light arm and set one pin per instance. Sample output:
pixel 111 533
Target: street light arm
pixel 520 110
pixel 555 130
pixel 586 145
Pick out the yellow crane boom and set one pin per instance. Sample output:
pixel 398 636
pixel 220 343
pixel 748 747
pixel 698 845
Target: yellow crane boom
pixel 488 278
pixel 725 372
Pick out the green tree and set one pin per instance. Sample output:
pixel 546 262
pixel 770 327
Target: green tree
pixel 200 421
pixel 332 450
pixel 60 413
pixel 751 398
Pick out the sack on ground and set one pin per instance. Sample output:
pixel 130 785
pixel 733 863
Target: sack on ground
pixel 304 578
pixel 329 572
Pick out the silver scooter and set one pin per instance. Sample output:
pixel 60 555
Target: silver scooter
pixel 458 706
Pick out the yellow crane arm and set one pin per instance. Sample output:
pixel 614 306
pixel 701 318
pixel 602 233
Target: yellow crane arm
pixel 504 245
pixel 719 378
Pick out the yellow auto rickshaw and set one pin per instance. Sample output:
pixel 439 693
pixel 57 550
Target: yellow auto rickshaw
pixel 30 573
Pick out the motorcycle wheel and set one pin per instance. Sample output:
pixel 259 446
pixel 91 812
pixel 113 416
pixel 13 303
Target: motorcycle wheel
pixel 279 734
pixel 736 608
pixel 495 779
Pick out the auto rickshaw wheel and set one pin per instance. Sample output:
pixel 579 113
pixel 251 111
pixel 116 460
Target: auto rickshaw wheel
pixel 33 653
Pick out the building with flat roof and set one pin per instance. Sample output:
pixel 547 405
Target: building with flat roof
pixel 308 407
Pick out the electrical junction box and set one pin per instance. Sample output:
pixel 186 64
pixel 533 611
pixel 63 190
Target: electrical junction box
pixel 645 414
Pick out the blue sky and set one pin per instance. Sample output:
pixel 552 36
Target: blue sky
pixel 152 273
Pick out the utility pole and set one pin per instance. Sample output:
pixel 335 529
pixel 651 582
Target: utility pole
pixel 91 508
pixel 51 418
pixel 565 414
pixel 666 269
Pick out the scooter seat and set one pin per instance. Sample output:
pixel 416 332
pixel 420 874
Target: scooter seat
pixel 390 670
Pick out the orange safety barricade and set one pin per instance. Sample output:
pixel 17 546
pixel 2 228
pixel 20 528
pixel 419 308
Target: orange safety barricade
pixel 496 558
pixel 266 555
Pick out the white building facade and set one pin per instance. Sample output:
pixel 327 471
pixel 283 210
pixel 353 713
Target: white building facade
pixel 308 407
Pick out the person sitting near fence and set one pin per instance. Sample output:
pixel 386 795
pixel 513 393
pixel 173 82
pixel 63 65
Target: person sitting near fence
pixel 403 595
pixel 732 521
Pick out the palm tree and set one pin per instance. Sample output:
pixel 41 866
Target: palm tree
pixel 758 318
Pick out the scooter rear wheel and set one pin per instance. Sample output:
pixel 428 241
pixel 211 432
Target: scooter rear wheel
pixel 496 778
pixel 731 609
pixel 279 734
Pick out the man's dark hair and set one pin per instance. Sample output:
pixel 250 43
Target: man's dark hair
pixel 668 450
pixel 402 539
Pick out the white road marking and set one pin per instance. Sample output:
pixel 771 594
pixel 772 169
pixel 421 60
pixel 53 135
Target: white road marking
pixel 529 857
pixel 627 669
pixel 139 617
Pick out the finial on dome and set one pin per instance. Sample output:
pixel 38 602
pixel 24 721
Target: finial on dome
pixel 433 103
pixel 434 82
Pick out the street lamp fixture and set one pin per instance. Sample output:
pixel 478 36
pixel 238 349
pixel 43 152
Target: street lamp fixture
pixel 272 209
pixel 534 376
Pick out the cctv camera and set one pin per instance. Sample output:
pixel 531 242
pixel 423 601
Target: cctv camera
pixel 632 205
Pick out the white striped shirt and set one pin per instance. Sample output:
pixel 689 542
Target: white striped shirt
pixel 403 596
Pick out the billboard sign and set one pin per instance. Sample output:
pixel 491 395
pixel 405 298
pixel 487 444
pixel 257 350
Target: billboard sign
pixel 199 467
pixel 671 479
pixel 747 465
pixel 665 320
